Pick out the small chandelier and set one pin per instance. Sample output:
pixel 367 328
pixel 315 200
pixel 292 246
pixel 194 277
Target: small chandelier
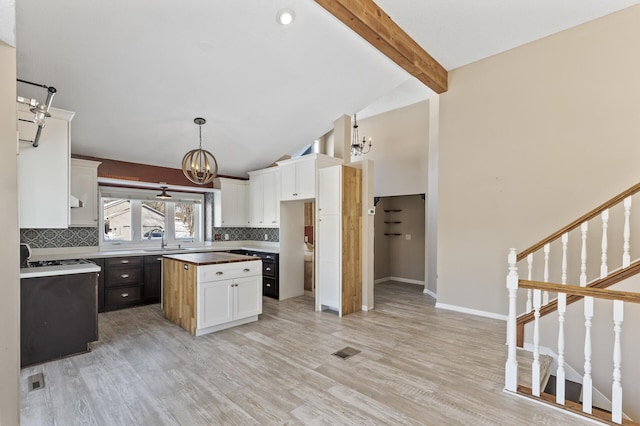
pixel 199 165
pixel 358 147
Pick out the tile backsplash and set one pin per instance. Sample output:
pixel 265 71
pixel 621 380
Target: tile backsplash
pixel 81 237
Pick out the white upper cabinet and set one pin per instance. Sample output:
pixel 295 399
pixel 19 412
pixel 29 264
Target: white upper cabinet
pixel 84 187
pixel 298 175
pixel 264 198
pixel 233 200
pixel 43 171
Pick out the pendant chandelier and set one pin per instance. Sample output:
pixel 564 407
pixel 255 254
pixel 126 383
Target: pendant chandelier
pixel 199 165
pixel 358 147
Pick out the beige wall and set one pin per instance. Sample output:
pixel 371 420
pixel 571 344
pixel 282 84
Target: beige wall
pixel 529 140
pixel 9 256
pixel 397 256
pixel 400 149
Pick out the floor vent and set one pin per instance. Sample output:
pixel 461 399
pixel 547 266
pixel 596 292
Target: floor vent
pixel 346 353
pixel 36 382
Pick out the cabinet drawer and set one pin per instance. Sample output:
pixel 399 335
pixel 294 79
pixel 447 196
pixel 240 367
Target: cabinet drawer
pixel 153 260
pixel 269 269
pixel 114 262
pixel 123 275
pixel 123 296
pixel 269 287
pixel 228 271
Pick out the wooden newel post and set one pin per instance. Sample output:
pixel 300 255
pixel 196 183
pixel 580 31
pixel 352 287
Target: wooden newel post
pixel 511 366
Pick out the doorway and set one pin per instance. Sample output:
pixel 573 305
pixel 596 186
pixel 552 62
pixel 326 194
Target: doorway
pixel 399 240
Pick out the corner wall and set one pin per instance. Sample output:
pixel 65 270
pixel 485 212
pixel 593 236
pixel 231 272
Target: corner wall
pixel 531 139
pixel 9 254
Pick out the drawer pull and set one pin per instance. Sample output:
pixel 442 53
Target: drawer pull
pixel 268 285
pixel 124 261
pixel 159 259
pixel 124 276
pixel 246 269
pixel 124 295
pixel 268 269
pixel 219 273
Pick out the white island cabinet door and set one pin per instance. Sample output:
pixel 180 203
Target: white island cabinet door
pixel 248 297
pixel 215 303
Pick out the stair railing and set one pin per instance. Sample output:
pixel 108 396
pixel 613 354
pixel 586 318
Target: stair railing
pixel 563 291
pixel 572 259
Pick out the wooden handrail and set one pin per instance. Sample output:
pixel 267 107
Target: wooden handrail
pixel 611 279
pixel 600 293
pixel 573 225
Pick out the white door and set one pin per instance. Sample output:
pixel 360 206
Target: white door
pixel 271 203
pixel 215 303
pixel 306 179
pixel 329 244
pixel 288 182
pixel 256 199
pixel 248 297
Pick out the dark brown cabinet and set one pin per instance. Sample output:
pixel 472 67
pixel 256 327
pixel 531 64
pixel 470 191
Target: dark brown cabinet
pixel 101 274
pixel 123 285
pixel 152 278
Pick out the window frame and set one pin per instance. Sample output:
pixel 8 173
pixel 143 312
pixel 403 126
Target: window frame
pixel 136 196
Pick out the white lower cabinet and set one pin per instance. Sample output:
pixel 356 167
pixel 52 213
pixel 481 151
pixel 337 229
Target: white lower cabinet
pixel 229 294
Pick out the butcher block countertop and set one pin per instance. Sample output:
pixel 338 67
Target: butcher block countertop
pixel 210 258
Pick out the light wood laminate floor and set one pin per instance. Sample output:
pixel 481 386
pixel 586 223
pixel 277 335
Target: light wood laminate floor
pixel 417 365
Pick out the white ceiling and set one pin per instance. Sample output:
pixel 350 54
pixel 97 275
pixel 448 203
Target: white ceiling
pixel 138 72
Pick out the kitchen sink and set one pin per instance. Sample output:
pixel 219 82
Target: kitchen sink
pixel 172 249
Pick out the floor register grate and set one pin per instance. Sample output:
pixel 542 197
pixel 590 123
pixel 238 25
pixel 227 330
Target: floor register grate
pixel 345 353
pixel 35 382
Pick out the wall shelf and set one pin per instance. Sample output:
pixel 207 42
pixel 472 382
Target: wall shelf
pixel 387 233
pixel 392 222
pixel 388 221
pixel 392 211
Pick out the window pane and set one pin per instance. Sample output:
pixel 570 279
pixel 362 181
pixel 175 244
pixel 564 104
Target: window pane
pixel 185 219
pixel 117 219
pixel 153 213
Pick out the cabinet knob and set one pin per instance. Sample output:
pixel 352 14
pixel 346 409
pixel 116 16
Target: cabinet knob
pixel 268 285
pixel 124 295
pixel 219 273
pixel 159 258
pixel 124 276
pixel 268 269
pixel 246 269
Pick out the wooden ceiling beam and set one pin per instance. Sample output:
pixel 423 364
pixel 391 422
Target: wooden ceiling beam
pixel 371 22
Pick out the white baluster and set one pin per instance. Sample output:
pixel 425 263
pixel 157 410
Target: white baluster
pixel 545 294
pixel 616 388
pixel 535 368
pixel 583 254
pixel 626 257
pixel 511 366
pixel 565 241
pixel 560 373
pixel 587 382
pixel 529 277
pixel 604 271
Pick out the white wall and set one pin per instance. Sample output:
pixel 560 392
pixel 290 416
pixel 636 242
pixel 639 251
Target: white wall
pixel 9 255
pixel 530 140
pixel 400 149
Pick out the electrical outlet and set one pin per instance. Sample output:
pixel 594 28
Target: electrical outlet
pixel 226 237
pixel 408 237
pixel 266 237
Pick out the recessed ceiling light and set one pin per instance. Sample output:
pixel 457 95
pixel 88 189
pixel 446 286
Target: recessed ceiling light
pixel 285 16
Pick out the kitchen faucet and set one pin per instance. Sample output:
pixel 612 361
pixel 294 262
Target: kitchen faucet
pixel 163 244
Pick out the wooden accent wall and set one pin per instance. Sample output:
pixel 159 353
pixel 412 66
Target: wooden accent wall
pixel 179 298
pixel 351 240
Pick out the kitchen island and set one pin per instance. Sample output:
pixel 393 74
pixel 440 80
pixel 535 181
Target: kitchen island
pixel 207 292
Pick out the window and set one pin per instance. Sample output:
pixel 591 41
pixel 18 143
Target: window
pixel 136 217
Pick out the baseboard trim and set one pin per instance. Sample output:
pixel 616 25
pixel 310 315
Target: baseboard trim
pixel 430 293
pixel 399 279
pixel 471 311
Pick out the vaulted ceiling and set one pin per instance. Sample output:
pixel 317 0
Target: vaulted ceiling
pixel 138 72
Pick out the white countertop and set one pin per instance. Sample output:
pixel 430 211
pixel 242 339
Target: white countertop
pixel 49 271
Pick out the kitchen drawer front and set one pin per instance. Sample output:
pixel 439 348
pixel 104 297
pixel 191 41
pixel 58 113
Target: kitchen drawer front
pixel 115 262
pixel 269 287
pixel 122 276
pixel 268 269
pixel 227 271
pixel 153 260
pixel 123 296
